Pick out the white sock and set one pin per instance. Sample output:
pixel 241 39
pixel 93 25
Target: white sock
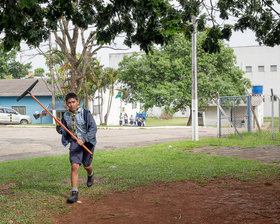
pixel 74 188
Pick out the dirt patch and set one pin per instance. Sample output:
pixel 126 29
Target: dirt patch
pixel 6 189
pixel 267 154
pixel 221 201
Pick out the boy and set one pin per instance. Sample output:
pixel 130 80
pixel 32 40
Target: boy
pixel 81 123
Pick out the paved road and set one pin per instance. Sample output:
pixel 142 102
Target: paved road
pixel 28 142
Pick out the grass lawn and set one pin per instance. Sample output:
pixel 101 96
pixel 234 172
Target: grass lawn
pixel 33 189
pixel 275 122
pixel 152 122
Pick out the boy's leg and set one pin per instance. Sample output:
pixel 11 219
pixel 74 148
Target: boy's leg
pixel 75 157
pixel 90 175
pixel 74 181
pixel 89 169
pixel 87 160
pixel 75 175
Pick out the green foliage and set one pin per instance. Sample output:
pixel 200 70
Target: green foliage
pixel 163 78
pixel 39 71
pixel 144 22
pixel 10 68
pixel 262 17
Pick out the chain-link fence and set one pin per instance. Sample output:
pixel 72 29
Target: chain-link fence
pixel 234 115
pixel 275 128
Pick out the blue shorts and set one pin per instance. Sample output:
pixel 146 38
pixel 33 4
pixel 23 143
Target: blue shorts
pixel 77 153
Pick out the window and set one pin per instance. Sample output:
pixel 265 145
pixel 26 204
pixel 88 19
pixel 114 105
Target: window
pixel 134 105
pixel 260 68
pixel 248 69
pixel 273 68
pixel 20 109
pixel 96 109
pixel 10 111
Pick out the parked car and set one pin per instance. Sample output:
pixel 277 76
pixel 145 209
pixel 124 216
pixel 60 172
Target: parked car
pixel 10 116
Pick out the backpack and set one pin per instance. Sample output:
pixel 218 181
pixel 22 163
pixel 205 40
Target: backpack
pixel 86 111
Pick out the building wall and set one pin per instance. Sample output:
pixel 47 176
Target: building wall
pixel 116 58
pixel 211 115
pixel 118 106
pixel 157 112
pixel 261 56
pixel 31 106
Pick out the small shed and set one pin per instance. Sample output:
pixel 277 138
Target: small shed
pixel 240 113
pixel 10 89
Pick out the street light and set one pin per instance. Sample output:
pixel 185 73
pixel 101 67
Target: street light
pixel 194 83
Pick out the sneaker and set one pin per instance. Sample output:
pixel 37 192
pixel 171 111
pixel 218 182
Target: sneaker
pixel 90 181
pixel 74 197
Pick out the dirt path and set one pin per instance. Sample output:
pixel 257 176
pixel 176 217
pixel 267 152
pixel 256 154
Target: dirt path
pixel 221 201
pixel 266 153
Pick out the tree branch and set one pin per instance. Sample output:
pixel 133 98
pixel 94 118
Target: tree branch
pixel 269 6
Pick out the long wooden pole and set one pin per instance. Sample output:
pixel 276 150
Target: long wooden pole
pixel 58 121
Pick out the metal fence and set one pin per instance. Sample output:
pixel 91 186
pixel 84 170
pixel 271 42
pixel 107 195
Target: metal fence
pixel 234 115
pixel 275 99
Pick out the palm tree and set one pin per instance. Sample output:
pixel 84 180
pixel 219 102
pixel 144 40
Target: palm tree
pixel 111 75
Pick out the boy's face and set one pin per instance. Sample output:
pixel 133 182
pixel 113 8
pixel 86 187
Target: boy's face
pixel 72 104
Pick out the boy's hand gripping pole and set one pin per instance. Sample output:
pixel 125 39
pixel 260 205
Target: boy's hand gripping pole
pixel 28 91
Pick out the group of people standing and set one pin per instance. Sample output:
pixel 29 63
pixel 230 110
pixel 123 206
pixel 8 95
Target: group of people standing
pixel 138 121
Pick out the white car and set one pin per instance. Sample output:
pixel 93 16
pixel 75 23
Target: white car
pixel 10 116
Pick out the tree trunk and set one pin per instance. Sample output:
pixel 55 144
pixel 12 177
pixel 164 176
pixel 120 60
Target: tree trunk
pixel 86 96
pixel 73 85
pixel 111 94
pixel 101 108
pixel 190 120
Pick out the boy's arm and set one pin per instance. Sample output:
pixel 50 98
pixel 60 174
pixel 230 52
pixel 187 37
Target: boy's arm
pixel 92 129
pixel 58 126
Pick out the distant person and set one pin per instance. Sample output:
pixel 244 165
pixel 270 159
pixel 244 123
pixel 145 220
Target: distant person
pixel 121 119
pixel 105 118
pixel 143 121
pixel 131 120
pixel 139 120
pixel 125 119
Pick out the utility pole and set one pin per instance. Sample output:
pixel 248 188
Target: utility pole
pixel 194 84
pixel 52 78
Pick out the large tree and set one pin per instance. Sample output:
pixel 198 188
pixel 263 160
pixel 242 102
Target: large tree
pixel 163 78
pixel 144 22
pixel 10 67
pixel 80 61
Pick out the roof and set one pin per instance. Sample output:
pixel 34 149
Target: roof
pixel 15 87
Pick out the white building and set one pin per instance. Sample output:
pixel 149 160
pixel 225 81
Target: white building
pixel 118 106
pixel 261 65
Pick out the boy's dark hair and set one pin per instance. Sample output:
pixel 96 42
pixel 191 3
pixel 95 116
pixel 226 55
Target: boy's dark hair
pixel 71 95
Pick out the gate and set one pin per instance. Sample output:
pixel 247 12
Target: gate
pixel 234 115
